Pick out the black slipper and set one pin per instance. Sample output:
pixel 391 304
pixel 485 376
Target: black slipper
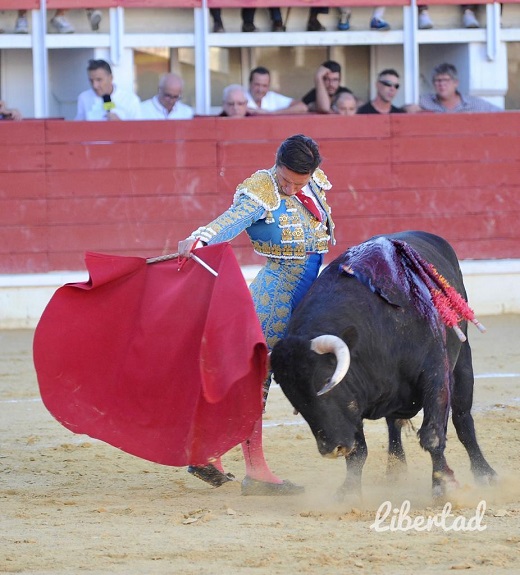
pixel 210 474
pixel 256 487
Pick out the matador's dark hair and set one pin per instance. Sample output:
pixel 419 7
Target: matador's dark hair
pixel 299 154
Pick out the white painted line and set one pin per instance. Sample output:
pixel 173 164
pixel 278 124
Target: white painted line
pixel 275 385
pixel 496 375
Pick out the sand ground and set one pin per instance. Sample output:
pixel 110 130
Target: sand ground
pixel 70 504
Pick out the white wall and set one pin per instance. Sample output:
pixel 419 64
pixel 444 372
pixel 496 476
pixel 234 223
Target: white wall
pixel 17 80
pixel 493 288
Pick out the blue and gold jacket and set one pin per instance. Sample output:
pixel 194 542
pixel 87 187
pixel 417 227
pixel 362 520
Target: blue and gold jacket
pixel 279 226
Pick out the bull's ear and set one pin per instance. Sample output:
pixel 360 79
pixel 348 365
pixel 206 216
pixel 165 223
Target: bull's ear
pixel 350 337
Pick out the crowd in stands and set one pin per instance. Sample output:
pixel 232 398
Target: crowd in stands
pixel 105 101
pixel 377 21
pixel 60 24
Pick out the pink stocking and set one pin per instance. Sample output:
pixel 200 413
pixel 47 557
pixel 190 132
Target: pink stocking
pixel 218 464
pixel 256 465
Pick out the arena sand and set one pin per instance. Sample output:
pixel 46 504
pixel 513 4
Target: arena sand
pixel 70 504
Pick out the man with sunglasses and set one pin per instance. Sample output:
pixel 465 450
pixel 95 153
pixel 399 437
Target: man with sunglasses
pixel 167 104
pixel 386 87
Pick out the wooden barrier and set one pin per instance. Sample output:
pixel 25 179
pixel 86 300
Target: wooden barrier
pixel 136 188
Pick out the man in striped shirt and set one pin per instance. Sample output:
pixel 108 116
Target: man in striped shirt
pixel 447 98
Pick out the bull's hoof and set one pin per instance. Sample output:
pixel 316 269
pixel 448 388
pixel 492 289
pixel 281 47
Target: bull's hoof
pixel 484 474
pixel 443 484
pixel 210 474
pixel 256 487
pixel 352 489
pixel 396 468
pixel 340 494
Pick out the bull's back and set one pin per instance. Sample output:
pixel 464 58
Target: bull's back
pixel 435 250
pixel 337 299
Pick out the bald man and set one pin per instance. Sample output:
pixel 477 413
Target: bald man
pixel 345 104
pixel 167 104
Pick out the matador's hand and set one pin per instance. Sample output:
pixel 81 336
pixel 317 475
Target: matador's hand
pixel 185 247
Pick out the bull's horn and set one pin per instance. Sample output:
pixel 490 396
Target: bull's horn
pixel 335 345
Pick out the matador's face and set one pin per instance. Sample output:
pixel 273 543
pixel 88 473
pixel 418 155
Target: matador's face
pixel 289 182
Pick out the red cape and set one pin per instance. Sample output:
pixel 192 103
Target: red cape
pixel 161 362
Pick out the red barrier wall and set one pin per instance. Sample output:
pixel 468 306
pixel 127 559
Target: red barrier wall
pixel 136 188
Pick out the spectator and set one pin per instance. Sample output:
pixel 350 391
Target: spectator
pixel 469 18
pixel 105 101
pixel 345 104
pixel 234 102
pixel 314 25
pixel 376 22
pixel 167 104
pixel 58 22
pixel 327 87
pixel 9 113
pixel 447 98
pixel 216 14
pixel 248 18
pixel 261 100
pixel 412 108
pixel 386 86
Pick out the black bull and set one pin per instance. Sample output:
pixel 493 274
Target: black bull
pixel 403 358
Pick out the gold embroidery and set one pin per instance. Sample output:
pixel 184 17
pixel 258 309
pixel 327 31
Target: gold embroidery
pixel 262 188
pixel 321 180
pixel 284 220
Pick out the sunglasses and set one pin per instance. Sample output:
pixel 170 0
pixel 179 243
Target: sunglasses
pixel 389 84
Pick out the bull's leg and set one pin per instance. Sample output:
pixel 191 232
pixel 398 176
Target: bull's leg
pixel 396 463
pixel 355 462
pixel 462 401
pixel 443 477
pixel 432 434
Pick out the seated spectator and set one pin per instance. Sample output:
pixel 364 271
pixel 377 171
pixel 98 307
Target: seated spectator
pixel 447 98
pixel 469 18
pixel 248 20
pixel 234 102
pixel 9 113
pixel 216 14
pixel 105 101
pixel 327 86
pixel 261 100
pixel 413 108
pixel 167 104
pixel 345 104
pixel 58 22
pixel 386 87
pixel 376 22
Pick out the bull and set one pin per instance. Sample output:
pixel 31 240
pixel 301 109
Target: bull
pixel 373 338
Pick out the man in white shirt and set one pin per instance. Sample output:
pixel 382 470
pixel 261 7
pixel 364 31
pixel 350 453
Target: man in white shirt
pixel 261 100
pixel 167 104
pixel 105 101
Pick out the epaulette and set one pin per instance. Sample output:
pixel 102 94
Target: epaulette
pixel 321 180
pixel 262 188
